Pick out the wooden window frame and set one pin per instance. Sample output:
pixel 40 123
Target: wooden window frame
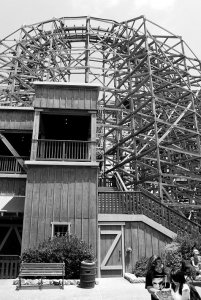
pixel 59 224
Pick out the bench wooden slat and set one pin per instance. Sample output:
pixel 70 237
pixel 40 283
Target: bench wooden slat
pixel 38 265
pixel 40 273
pixel 43 270
pixel 56 270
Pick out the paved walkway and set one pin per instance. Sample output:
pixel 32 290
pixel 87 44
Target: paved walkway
pixel 107 289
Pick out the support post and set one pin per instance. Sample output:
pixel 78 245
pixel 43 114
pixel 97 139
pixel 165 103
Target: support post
pixel 35 135
pixel 93 136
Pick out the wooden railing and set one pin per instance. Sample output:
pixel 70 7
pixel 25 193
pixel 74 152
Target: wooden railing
pixel 63 150
pixel 140 203
pixel 9 266
pixel 9 164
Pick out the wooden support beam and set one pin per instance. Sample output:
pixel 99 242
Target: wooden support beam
pixel 35 134
pixel 12 150
pixel 180 150
pixel 130 115
pixel 6 237
pixel 129 137
pixel 93 137
pixel 132 157
pixel 184 206
pixel 87 51
pixel 134 91
pixel 175 123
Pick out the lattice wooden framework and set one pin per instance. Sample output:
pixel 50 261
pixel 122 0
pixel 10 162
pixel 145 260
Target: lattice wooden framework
pixel 149 116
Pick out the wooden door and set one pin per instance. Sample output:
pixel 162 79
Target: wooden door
pixel 111 250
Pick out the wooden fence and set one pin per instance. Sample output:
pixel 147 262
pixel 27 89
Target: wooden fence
pixel 140 203
pixel 9 266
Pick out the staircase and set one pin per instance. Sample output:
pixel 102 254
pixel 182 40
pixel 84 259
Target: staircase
pixel 112 200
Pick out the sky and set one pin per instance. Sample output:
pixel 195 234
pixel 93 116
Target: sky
pixel 181 17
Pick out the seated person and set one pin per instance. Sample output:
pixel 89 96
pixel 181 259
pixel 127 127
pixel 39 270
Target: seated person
pixel 156 278
pixel 188 269
pixel 179 289
pixel 196 261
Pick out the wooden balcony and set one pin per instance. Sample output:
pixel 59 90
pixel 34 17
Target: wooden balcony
pixel 64 150
pixel 140 203
pixel 10 164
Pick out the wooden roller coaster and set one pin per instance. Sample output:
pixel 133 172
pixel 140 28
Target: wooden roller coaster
pixel 149 112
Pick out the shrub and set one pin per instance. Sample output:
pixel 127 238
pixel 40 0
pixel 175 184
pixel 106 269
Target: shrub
pixel 181 248
pixel 178 253
pixel 187 242
pixel 175 255
pixel 68 249
pixel 171 256
pixel 141 267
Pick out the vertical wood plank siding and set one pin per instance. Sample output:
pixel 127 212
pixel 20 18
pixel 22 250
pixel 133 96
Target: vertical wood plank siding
pixel 64 97
pixel 60 194
pixel 16 119
pixel 144 241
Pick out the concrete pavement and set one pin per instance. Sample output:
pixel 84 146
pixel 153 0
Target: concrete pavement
pixel 107 289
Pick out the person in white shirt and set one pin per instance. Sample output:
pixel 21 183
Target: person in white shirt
pixel 180 290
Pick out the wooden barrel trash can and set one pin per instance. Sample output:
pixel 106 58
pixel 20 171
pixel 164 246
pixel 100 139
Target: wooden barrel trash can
pixel 87 274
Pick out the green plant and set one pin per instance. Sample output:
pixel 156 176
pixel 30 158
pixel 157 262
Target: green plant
pixel 141 267
pixel 172 256
pixel 177 254
pixel 69 249
pixel 187 242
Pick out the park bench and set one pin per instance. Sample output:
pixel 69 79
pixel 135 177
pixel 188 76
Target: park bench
pixel 41 271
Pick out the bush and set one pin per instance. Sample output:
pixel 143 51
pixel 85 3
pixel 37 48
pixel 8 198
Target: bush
pixel 178 253
pixel 181 248
pixel 175 255
pixel 68 249
pixel 141 267
pixel 187 242
pixel 172 256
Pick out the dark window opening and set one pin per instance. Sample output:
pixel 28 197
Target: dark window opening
pixel 21 142
pixel 65 127
pixel 60 228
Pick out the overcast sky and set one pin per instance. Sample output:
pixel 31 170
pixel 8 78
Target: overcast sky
pixel 181 17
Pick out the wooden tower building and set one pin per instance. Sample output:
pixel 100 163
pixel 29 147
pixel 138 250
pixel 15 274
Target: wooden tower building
pixel 61 189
